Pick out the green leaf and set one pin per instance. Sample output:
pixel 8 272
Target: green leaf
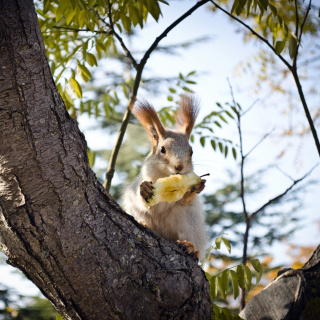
pixel 217 123
pixel 91 59
pixel 222 118
pixel 218 242
pixel 273 9
pixel 234 6
pixel 71 14
pixel 227 244
pixel 226 151
pixel 66 94
pixel 235 284
pixel 170 98
pixel 192 138
pixel 240 274
pixel 225 280
pixel 227 313
pixel 219 104
pixel 229 114
pixel 59 317
pixel 81 18
pixel 258 267
pixel 172 90
pixel 220 285
pixel 220 147
pixel 280 46
pixel 202 141
pixel 213 287
pixel 216 310
pixel 264 4
pixel 91 157
pixel 61 7
pixel 75 87
pixel 292 47
pixel 84 70
pixel 247 277
pixel 234 153
pixel 213 144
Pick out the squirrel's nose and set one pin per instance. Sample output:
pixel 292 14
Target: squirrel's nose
pixel 178 167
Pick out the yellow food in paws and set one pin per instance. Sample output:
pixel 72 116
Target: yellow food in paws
pixel 173 188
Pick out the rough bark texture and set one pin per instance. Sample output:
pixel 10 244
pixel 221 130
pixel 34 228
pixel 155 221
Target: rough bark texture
pixel 57 225
pixel 293 295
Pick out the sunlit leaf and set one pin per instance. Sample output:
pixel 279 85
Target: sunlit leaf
pixel 75 88
pixel 218 242
pixel 91 59
pixel 213 287
pixel 227 244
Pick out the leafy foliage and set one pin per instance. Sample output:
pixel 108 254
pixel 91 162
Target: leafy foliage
pixel 240 277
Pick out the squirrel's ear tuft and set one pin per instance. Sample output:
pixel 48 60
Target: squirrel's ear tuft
pixel 187 113
pixel 148 117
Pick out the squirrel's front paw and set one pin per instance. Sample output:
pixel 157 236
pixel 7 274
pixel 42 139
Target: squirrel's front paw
pixel 198 188
pixel 189 248
pixel 146 190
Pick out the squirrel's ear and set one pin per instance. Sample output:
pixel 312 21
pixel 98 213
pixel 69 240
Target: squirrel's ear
pixel 148 117
pixel 187 113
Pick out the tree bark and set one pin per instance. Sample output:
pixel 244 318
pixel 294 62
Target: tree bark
pixel 293 295
pixel 57 224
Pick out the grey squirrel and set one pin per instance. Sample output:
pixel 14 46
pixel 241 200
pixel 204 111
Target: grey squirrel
pixel 181 221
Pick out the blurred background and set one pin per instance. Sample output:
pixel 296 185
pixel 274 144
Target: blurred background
pixel 237 78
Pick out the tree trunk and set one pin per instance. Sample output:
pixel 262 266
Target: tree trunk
pixel 293 295
pixel 57 224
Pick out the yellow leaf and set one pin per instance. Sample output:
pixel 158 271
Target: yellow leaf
pixel 75 88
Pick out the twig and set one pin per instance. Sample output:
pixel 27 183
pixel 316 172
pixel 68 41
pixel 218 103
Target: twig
pixel 300 35
pixel 255 33
pixel 140 67
pixel 282 194
pixel 285 174
pixel 125 49
pixel 244 112
pixel 264 137
pixel 83 30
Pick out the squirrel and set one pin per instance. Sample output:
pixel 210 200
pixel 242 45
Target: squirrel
pixel 181 221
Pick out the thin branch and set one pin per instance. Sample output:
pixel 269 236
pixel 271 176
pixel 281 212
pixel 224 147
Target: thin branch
pixel 284 173
pixel 244 112
pixel 300 34
pixel 245 213
pixel 297 17
pixel 255 33
pixel 264 137
pixel 282 194
pixel 84 30
pixel 139 68
pixel 125 49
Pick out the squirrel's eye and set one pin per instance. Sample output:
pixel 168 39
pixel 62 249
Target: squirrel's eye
pixel 191 153
pixel 163 150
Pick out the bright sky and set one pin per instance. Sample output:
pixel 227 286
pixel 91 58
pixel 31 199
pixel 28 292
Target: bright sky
pixel 215 61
